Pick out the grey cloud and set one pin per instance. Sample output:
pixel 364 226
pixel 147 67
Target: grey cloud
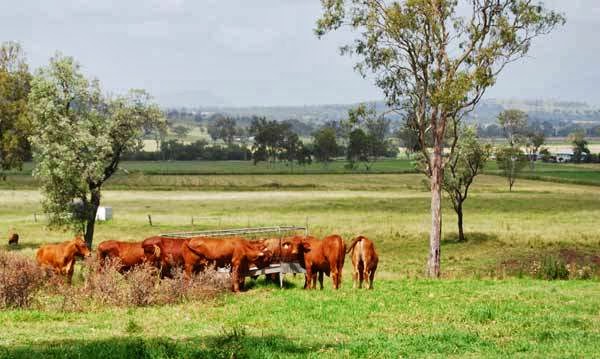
pixel 263 52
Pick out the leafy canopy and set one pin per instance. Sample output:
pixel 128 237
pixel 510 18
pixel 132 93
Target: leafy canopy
pixel 80 135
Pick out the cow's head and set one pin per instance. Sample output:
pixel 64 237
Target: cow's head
pixel 152 249
pixel 294 246
pixel 81 249
pixel 259 254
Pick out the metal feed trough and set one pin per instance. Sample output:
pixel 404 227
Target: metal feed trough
pixel 278 266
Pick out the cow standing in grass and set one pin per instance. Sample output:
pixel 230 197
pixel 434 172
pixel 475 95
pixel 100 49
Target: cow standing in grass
pixel 238 253
pixel 165 253
pixel 318 257
pixel 61 257
pixel 364 261
pixel 129 254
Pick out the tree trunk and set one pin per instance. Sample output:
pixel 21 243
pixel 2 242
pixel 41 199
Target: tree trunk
pixel 459 213
pixel 437 175
pixel 91 219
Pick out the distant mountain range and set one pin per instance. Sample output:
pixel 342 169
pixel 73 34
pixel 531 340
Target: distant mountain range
pixel 486 111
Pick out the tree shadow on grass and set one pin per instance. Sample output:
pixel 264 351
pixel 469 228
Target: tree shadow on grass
pixel 264 282
pixel 471 238
pixel 228 345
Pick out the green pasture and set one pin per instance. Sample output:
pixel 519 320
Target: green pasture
pixel 486 305
pixel 211 175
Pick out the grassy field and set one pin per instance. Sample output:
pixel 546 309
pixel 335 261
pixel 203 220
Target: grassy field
pixel 217 175
pixel 487 304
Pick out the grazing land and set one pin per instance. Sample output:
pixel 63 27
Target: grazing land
pixel 217 175
pixel 488 303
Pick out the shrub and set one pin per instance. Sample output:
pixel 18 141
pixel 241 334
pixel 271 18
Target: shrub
pixel 20 279
pixel 141 283
pixel 553 268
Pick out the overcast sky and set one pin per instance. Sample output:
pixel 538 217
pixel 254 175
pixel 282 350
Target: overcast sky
pixel 262 52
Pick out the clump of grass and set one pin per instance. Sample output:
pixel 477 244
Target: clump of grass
pixel 481 314
pixel 20 279
pixel 550 268
pixel 132 327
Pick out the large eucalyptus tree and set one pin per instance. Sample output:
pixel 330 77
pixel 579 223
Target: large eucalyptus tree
pixel 436 58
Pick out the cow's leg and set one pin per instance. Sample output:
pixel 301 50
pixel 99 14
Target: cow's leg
pixel 307 278
pixel 354 277
pixel 361 273
pixel 321 280
pixel 371 277
pixel 68 271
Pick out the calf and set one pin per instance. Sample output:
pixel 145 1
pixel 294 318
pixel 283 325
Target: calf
pixel 364 261
pixel 129 254
pixel 165 253
pixel 235 252
pixel 13 238
pixel 61 257
pixel 318 257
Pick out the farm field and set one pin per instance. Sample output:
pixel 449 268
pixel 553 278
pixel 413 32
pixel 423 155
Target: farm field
pixel 487 304
pixel 217 174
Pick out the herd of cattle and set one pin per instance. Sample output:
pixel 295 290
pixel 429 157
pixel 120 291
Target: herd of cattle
pixel 316 256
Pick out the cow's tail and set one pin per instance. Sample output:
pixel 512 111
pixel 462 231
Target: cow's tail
pixel 356 240
pixel 343 256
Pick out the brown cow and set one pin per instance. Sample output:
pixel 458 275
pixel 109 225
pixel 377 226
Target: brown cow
pixel 13 238
pixel 364 261
pixel 236 252
pixel 61 257
pixel 129 254
pixel 165 253
pixel 319 257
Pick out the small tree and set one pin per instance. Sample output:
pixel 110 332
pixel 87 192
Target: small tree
pixel 514 125
pixel 223 128
pixel 580 146
pixel 15 125
pixel 465 163
pixel 511 161
pixel 181 131
pixel 535 140
pixel 367 136
pixel 325 145
pixel 79 138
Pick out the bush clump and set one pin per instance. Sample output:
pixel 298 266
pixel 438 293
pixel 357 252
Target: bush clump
pixel 20 279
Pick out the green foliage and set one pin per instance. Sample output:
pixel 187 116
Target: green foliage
pixel 466 161
pixel 15 124
pixel 79 137
pixel 277 141
pixel 181 131
pixel 223 128
pixel 511 161
pixel 367 137
pixel 325 145
pixel 553 268
pixel 580 146
pixel 514 126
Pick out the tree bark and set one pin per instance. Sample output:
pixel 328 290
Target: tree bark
pixel 437 175
pixel 91 219
pixel 459 213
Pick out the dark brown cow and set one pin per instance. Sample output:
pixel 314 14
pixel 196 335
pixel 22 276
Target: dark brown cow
pixel 164 252
pixel 364 261
pixel 129 254
pixel 61 257
pixel 236 252
pixel 318 257
pixel 13 238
